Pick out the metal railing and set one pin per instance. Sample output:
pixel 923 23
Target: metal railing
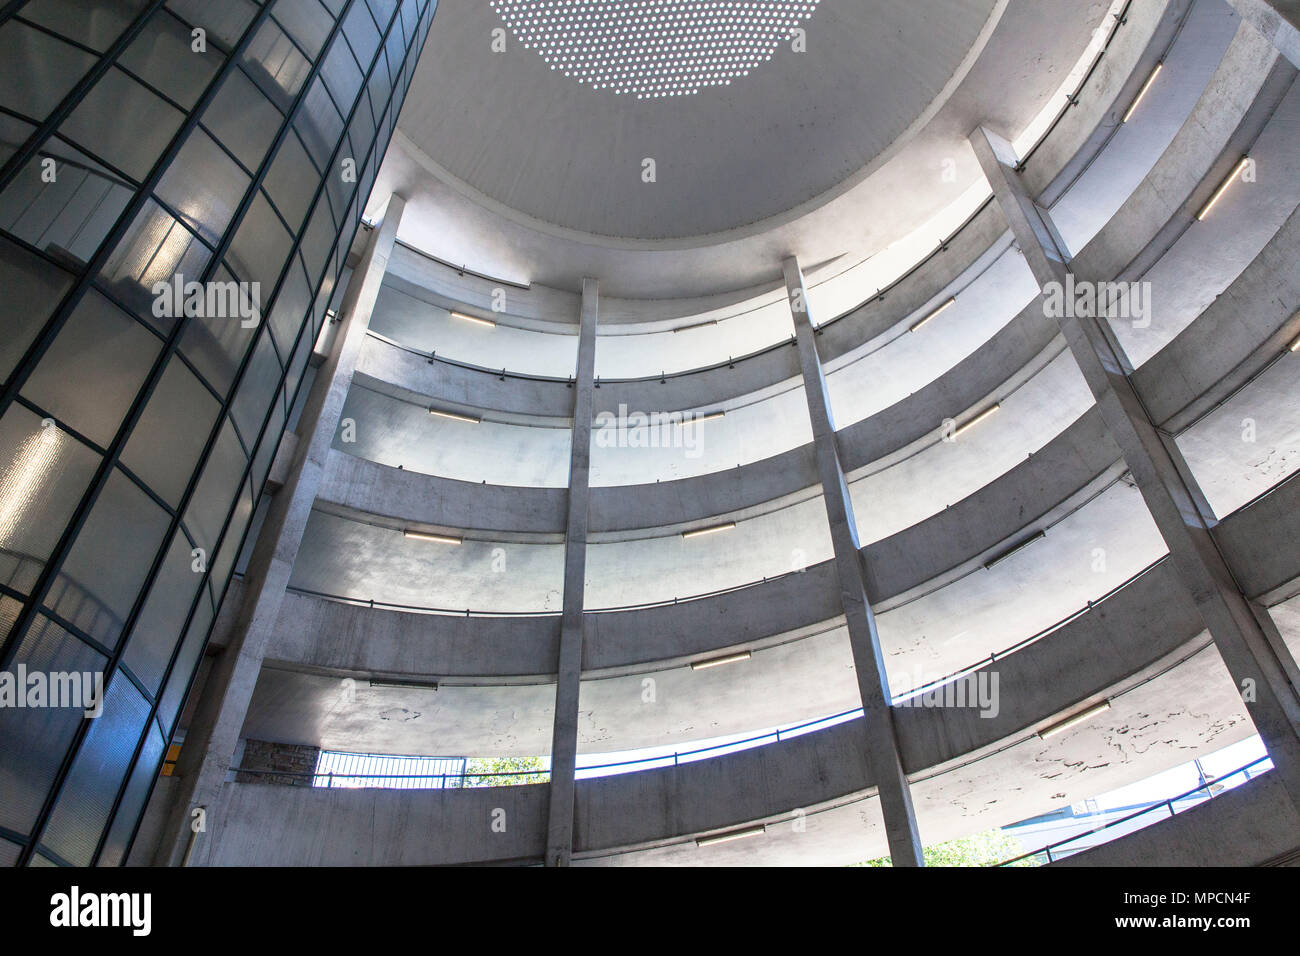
pixel 408 773
pixel 1272 489
pixel 1032 639
pixel 677 757
pixel 415 608
pixel 446 780
pixel 470 612
pixel 1044 854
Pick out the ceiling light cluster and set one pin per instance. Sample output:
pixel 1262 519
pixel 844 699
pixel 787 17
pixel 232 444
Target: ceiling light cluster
pixel 653 48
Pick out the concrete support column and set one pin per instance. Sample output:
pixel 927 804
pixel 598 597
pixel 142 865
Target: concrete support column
pixel 1277 20
pixel 214 733
pixel 1247 639
pixel 873 684
pixel 564 741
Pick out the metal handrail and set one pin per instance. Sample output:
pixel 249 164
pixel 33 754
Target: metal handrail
pixel 1262 495
pixel 696 597
pixel 1033 638
pixel 729 362
pixel 470 612
pixel 435 357
pixel 1168 803
pixel 677 755
pixel 421 609
pixel 776 735
pixel 304 774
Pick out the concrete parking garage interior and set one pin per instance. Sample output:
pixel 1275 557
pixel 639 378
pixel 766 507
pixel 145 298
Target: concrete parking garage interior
pixel 672 371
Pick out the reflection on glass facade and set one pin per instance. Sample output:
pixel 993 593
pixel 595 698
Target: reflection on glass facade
pixel 180 181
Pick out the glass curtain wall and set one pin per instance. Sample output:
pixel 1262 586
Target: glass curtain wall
pixel 180 182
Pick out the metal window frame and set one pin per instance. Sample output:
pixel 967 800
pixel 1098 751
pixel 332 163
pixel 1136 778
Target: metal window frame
pixel 128 215
pixel 393 105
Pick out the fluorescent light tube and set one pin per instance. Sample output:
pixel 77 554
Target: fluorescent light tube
pixel 1146 86
pixel 939 311
pixel 732 835
pixel 700 532
pixel 1218 193
pixel 988 412
pixel 427 536
pixel 1074 721
pixel 455 417
pixel 474 318
pixel 1013 549
pixel 697 325
pixel 404 683
pixel 719 661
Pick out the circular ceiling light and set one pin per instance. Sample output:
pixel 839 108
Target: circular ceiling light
pixel 653 48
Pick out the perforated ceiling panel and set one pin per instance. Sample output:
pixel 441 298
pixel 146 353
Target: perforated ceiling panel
pixel 654 48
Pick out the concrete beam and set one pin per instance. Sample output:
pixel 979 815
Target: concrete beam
pixel 1247 639
pixel 1277 20
pixel 883 755
pixel 317 826
pixel 564 743
pixel 214 733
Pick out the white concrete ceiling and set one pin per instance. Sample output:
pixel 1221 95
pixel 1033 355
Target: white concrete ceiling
pixel 520 171
pixel 543 144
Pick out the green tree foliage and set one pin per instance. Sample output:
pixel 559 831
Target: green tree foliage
pixel 978 849
pixel 504 771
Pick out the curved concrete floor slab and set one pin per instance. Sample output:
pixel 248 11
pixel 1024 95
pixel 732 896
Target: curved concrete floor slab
pixel 1149 728
pixel 1232 341
pixel 1073 132
pixel 803 675
pixel 1251 442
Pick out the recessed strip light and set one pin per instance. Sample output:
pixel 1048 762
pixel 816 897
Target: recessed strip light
pixel 1074 721
pixel 697 325
pixel 987 413
pixel 730 836
pixel 473 318
pixel 707 417
pixel 427 536
pixel 455 417
pixel 404 683
pixel 1227 184
pixel 997 559
pixel 1143 92
pixel 719 661
pixel 1294 346
pixel 939 311
pixel 701 532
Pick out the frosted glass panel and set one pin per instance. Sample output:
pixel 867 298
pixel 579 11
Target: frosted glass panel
pixel 94 369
